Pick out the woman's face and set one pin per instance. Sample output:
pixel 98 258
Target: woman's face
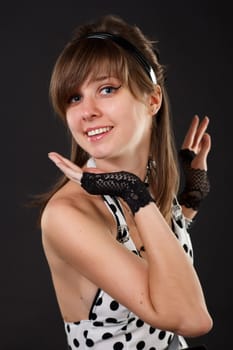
pixel 107 121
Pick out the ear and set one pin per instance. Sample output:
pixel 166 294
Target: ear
pixel 155 100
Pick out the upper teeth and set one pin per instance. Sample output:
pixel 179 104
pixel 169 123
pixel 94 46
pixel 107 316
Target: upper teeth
pixel 98 131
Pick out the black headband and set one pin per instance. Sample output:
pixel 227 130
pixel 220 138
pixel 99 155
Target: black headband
pixel 125 44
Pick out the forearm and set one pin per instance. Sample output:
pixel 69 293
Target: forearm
pixel 174 288
pixel 189 213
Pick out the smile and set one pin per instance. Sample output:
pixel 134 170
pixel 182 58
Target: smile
pixel 98 131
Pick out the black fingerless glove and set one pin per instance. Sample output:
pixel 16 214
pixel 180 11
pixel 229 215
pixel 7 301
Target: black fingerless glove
pixel 120 184
pixel 197 184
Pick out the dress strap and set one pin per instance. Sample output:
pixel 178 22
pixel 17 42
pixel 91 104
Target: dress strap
pixel 115 208
pixel 174 345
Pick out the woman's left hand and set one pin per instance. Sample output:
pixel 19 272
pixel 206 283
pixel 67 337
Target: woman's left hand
pixel 198 141
pixel 193 156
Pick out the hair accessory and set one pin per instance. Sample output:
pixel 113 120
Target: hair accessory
pixel 128 46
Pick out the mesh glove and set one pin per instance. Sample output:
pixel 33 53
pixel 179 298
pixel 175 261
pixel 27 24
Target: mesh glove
pixel 197 184
pixel 121 184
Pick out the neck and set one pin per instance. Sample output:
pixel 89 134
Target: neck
pixel 135 164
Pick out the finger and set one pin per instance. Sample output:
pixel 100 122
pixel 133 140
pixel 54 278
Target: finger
pixel 58 158
pixel 55 157
pixel 190 135
pixel 70 173
pixel 205 145
pixel 200 132
pixel 200 161
pixel 71 170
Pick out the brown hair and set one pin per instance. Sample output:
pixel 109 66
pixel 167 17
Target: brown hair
pixel 82 58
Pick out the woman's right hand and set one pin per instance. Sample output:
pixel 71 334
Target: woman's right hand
pixel 122 184
pixel 71 170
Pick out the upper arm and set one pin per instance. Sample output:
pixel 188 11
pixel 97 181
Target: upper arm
pixel 89 247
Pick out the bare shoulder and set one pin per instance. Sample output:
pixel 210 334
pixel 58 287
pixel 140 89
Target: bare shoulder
pixel 73 216
pixel 63 201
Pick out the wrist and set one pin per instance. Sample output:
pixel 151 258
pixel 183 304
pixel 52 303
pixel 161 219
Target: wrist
pixel 137 197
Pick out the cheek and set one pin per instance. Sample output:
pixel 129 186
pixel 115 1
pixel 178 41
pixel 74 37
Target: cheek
pixel 72 121
pixel 74 126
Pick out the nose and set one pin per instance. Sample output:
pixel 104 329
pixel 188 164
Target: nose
pixel 89 109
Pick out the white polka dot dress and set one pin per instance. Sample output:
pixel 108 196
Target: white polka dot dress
pixel 110 325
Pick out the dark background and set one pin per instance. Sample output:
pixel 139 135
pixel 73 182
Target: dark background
pixel 195 41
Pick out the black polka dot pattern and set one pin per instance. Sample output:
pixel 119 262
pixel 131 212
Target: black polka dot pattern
pixel 111 320
pixel 111 326
pixel 162 335
pixel 93 316
pixel 128 336
pixel 98 324
pixel 90 343
pixel 141 345
pixel 114 305
pixel 151 330
pixel 180 230
pixel 139 323
pixel 118 346
pixel 76 343
pixel 107 335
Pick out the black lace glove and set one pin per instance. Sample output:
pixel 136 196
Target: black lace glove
pixel 121 184
pixel 197 184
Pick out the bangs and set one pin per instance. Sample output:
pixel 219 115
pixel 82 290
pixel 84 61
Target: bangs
pixel 87 58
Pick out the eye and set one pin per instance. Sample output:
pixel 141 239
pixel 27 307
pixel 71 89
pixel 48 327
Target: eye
pixel 109 90
pixel 74 99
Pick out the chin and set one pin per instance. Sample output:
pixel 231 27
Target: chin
pixel 101 154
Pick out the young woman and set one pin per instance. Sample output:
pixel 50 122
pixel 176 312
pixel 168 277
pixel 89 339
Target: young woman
pixel 113 232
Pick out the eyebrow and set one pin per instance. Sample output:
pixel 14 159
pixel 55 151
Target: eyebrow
pixel 102 77
pixel 98 79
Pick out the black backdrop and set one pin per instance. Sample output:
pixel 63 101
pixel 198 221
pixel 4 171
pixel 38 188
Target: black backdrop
pixel 195 41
